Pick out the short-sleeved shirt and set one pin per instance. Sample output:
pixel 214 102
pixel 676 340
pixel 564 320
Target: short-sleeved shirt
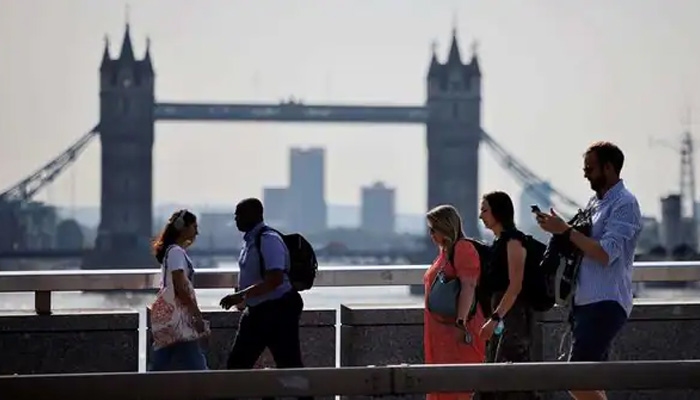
pixel 175 259
pixel 276 257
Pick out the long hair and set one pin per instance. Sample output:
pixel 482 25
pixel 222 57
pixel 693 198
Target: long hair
pixel 446 220
pixel 177 222
pixel 501 208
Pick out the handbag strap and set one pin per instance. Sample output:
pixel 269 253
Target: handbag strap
pixel 164 266
pixel 451 260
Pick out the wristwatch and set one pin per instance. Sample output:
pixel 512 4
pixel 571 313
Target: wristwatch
pixel 496 317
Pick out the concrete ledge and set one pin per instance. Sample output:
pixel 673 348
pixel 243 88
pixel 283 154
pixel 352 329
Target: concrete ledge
pixel 317 332
pixel 370 316
pixel 655 331
pixel 69 343
pixel 647 310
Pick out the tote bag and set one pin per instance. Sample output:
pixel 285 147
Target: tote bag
pixel 171 322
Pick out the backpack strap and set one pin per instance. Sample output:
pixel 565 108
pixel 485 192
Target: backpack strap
pixel 258 247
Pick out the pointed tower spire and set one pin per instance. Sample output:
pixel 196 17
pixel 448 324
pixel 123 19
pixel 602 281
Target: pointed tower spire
pixel 127 53
pixel 106 58
pixel 148 49
pixel 475 57
pixel 454 58
pixel 147 58
pixel 434 63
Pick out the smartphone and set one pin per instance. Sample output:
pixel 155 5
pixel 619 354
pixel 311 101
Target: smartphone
pixel 535 208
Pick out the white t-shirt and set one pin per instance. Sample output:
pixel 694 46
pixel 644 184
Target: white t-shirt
pixel 176 258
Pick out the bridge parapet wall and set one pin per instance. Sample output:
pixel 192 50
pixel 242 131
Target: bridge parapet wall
pixel 658 331
pixel 69 343
pixel 108 341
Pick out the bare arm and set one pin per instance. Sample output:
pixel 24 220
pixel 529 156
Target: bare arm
pixel 466 297
pixel 466 264
pixel 181 287
pixel 590 247
pixel 516 271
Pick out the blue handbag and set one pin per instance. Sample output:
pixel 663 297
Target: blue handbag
pixel 444 294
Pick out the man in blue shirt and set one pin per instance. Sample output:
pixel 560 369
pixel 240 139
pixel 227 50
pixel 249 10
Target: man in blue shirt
pixel 271 308
pixel 603 297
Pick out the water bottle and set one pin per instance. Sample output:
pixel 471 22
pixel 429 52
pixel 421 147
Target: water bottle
pixel 498 330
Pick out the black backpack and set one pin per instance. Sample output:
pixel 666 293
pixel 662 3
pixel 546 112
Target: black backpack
pixel 482 295
pixel 535 277
pixel 302 259
pixel 562 259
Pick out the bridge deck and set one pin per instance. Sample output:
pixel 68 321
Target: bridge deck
pixel 291 112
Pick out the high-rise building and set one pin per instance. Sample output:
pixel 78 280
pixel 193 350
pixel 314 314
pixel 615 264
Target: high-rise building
pixel 275 204
pixel 306 197
pixel 539 194
pixel 378 209
pixel 671 222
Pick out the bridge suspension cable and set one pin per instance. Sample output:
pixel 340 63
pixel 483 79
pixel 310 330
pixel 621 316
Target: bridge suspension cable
pixel 28 187
pixel 524 175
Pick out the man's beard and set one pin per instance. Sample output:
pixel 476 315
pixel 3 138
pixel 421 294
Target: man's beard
pixel 598 184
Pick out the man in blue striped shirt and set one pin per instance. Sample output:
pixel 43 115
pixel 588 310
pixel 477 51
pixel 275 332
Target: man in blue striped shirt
pixel 603 298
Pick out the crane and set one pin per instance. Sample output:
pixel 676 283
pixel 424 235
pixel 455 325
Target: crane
pixel 686 179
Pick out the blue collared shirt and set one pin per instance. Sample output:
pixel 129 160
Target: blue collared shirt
pixel 617 222
pixel 276 257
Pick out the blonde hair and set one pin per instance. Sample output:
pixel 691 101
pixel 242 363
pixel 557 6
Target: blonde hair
pixel 446 220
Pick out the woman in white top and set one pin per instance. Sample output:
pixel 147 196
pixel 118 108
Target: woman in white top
pixel 169 249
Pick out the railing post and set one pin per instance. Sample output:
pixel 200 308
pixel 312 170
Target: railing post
pixel 42 302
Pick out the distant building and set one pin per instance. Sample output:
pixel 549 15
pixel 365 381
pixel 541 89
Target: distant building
pixel 671 222
pixel 649 237
pixel 539 194
pixel 36 223
pixel 12 234
pixel 378 209
pixel 217 230
pixel 306 203
pixel 275 204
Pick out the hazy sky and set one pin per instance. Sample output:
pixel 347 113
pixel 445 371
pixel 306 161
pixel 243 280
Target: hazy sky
pixel 557 75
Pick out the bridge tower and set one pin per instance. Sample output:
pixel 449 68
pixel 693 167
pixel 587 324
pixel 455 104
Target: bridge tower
pixel 453 134
pixel 126 133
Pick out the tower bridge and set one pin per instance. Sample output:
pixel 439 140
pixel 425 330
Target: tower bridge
pixel 129 110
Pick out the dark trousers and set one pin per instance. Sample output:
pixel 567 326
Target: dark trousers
pixel 273 324
pixel 513 345
pixel 594 327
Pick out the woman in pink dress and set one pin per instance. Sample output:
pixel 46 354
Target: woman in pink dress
pixel 446 340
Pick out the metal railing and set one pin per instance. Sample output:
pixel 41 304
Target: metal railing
pixel 43 283
pixel 367 381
